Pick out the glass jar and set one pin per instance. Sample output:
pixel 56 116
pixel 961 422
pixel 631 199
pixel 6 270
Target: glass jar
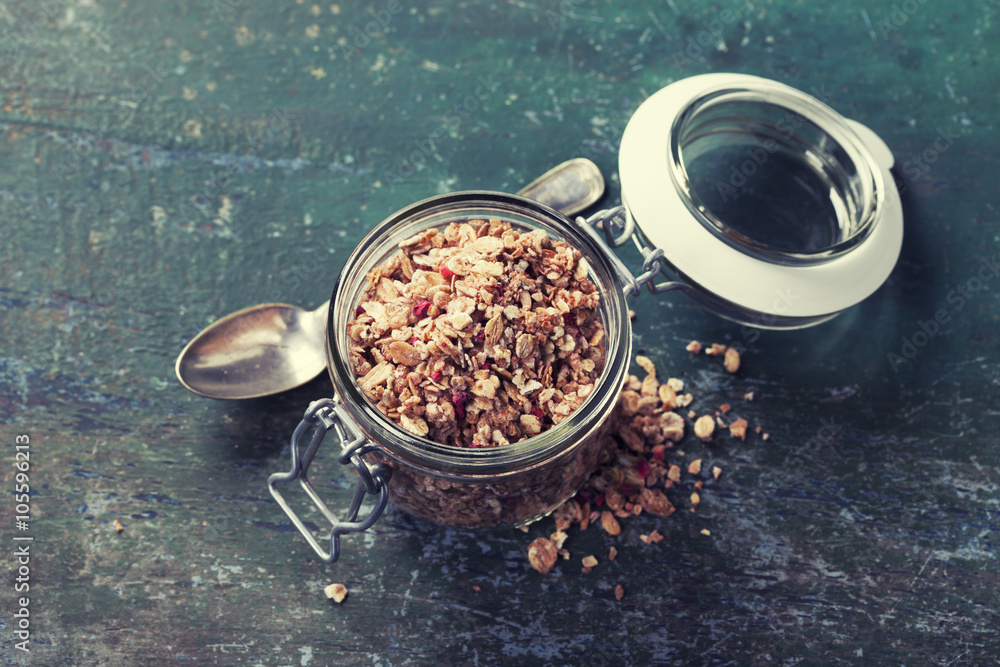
pixel 512 484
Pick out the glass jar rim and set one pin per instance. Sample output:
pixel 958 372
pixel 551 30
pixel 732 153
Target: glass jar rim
pixel 444 460
pixel 796 110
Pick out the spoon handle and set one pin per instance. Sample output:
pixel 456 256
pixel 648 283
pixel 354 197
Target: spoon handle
pixel 569 187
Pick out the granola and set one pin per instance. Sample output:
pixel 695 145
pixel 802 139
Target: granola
pixel 542 554
pixel 336 592
pixel 478 334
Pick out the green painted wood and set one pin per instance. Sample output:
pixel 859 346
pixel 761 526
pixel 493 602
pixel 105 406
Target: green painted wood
pixel 863 531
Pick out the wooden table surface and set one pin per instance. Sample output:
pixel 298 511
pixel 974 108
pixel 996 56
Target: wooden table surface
pixel 164 164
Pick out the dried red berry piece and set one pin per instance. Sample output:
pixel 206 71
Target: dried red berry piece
pixel 459 399
pixel 421 308
pixel 642 467
pixel 414 340
pixel 359 311
pixel 479 337
pixel 485 366
pixel 599 500
pixel 436 375
pixel 537 412
pixel 445 271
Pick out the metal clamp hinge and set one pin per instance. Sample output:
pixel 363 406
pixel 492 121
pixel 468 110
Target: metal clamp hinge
pixel 619 227
pixel 322 416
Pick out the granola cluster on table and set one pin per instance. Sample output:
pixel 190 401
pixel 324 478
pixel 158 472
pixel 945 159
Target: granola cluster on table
pixel 478 334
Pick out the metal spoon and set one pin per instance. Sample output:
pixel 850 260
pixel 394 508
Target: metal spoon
pixel 274 347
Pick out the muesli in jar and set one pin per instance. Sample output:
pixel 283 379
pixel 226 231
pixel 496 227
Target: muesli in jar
pixel 478 334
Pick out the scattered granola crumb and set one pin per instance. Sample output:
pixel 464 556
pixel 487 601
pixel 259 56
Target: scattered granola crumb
pixel 336 592
pixel 692 414
pixel 119 528
pixel 716 350
pixel 765 436
pixel 706 531
pixel 612 554
pixel 652 538
pixel 477 588
pixel 748 396
pixel 732 360
pixel 693 347
pixel 610 523
pixel 704 427
pixel 564 554
pixel 523 529
pixel 725 407
pixel 738 429
pixel 589 561
pixel 542 554
pixel 674 473
pixel 716 471
pixel 558 538
pixel 619 592
pixel 695 500
pixel 694 467
pixel 631 314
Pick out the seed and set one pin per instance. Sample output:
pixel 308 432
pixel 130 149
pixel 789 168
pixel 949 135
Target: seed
pixel 704 427
pixel 610 524
pixel 732 360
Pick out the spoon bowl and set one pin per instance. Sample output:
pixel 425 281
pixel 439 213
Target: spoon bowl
pixel 257 351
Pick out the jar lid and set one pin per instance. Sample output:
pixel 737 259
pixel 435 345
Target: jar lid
pixel 762 195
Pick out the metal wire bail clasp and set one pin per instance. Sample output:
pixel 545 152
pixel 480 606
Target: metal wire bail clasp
pixel 619 228
pixel 326 414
